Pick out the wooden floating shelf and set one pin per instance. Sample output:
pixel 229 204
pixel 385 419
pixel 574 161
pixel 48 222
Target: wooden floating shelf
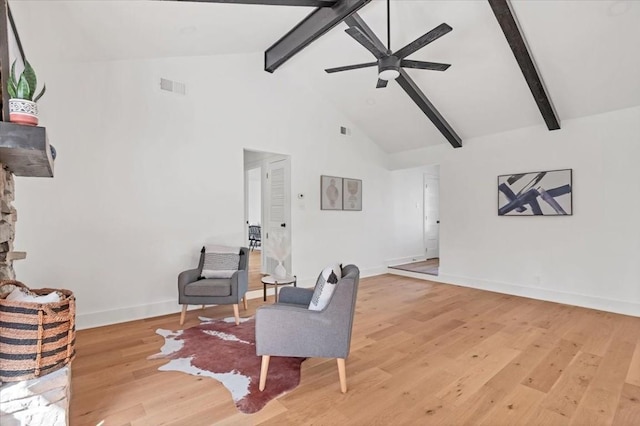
pixel 25 150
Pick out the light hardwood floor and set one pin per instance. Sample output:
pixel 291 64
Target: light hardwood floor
pixel 429 267
pixel 421 353
pixel 255 270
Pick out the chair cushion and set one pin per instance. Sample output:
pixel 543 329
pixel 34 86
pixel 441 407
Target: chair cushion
pixel 220 262
pixel 209 287
pixel 325 286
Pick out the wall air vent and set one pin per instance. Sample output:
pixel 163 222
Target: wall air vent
pixel 345 131
pixel 173 86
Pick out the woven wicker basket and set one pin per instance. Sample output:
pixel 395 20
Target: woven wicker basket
pixel 35 339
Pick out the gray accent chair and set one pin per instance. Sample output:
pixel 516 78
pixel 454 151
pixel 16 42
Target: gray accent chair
pixel 214 291
pixel 289 328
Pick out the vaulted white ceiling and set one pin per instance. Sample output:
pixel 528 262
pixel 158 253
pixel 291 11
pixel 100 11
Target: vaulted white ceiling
pixel 587 52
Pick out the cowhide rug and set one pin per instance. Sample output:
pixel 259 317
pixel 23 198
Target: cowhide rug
pixel 227 353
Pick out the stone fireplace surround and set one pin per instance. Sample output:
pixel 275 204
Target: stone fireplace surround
pixel 8 217
pixel 43 401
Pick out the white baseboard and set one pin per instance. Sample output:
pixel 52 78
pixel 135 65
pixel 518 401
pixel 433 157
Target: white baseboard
pixel 132 313
pixel 129 313
pixel 372 272
pixel 575 299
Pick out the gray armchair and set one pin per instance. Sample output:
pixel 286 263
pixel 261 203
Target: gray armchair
pixel 214 291
pixel 289 328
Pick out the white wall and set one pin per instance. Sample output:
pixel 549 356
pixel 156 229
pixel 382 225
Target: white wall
pixel 591 258
pixel 145 177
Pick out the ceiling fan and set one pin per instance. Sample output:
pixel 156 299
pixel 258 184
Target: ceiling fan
pixel 389 62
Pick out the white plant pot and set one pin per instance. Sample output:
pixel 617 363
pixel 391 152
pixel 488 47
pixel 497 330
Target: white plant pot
pixel 22 111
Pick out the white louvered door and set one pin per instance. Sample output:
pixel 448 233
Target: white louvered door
pixel 276 237
pixel 432 216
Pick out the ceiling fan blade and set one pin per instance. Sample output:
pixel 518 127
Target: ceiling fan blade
pixel 351 67
pixel 356 21
pixel 381 83
pixel 365 41
pixel 423 40
pixel 414 92
pixel 422 65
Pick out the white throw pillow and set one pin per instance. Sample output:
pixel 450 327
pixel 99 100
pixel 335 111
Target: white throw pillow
pixel 325 287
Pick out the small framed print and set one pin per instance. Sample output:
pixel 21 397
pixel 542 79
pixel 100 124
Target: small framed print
pixel 351 194
pixel 330 193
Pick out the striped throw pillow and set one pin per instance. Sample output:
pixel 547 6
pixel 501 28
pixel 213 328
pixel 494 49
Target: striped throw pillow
pixel 220 265
pixel 325 286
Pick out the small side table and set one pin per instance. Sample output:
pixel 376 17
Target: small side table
pixel 271 280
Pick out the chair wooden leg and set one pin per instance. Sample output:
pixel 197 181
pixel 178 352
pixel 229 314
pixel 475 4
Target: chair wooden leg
pixel 184 312
pixel 342 372
pixel 263 371
pixel 236 313
pixel 244 301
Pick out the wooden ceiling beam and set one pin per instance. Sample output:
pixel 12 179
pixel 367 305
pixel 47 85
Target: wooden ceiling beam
pixel 308 30
pixel 509 24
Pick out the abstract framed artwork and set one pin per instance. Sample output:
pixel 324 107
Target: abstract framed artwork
pixel 330 193
pixel 548 193
pixel 352 194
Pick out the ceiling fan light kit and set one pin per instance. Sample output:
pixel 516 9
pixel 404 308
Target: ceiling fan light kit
pixel 388 68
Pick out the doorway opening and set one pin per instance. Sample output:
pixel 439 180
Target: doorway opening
pixel 429 226
pixel 431 223
pixel 267 196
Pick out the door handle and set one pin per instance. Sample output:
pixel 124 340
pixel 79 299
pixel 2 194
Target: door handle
pixel 284 225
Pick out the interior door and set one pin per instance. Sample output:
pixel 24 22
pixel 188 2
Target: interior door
pixel 276 235
pixel 432 216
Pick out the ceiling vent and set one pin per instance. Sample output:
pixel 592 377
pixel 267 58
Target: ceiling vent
pixel 173 86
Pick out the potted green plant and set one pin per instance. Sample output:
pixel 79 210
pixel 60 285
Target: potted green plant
pixel 22 103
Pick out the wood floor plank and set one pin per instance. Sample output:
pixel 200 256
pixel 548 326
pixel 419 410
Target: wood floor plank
pixel 628 412
pixel 409 386
pixel 272 410
pixel 633 375
pixel 476 376
pixel 495 390
pixel 545 417
pixel 600 402
pixel 521 366
pixel 565 396
pixel 476 332
pixel 515 409
pixel 421 353
pixel 545 375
